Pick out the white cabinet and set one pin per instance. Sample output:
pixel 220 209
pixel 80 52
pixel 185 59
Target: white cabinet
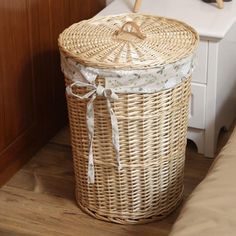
pixel 200 73
pixel 213 99
pixel 197 106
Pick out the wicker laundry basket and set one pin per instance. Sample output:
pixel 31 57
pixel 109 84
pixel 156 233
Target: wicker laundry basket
pixel 128 87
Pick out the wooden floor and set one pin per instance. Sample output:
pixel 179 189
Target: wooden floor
pixel 39 199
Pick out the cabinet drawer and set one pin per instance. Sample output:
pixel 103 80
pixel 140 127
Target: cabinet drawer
pixel 200 73
pixel 197 106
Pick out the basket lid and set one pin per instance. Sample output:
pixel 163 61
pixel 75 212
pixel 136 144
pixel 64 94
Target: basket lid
pixel 128 41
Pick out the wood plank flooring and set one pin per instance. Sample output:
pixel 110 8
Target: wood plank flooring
pixel 39 199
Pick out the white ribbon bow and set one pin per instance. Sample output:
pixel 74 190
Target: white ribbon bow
pixel 110 95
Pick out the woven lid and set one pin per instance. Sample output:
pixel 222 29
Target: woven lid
pixel 128 41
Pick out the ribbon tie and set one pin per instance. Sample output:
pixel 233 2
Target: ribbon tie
pixel 110 95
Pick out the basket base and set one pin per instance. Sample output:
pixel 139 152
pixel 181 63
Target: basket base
pixel 127 221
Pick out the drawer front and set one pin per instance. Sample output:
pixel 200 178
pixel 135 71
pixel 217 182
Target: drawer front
pixel 200 73
pixel 197 106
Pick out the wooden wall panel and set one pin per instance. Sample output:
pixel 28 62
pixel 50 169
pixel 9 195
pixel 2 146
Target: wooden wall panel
pixel 32 101
pixel 15 50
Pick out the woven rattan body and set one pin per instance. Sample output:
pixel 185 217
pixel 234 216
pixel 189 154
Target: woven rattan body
pixel 152 130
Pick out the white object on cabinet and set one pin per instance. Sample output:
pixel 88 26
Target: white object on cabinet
pixel 213 100
pixel 108 2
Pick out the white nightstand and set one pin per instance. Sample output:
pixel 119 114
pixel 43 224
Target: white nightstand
pixel 213 100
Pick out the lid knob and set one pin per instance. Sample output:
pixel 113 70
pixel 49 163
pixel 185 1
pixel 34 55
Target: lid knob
pixel 125 33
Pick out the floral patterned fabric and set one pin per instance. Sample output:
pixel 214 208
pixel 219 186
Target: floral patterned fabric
pixel 132 81
pixel 147 80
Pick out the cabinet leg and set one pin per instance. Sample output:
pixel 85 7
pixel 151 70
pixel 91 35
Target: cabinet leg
pixel 205 141
pixel 198 137
pixel 210 142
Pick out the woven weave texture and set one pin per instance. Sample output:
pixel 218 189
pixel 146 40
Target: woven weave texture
pixel 98 42
pixel 152 129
